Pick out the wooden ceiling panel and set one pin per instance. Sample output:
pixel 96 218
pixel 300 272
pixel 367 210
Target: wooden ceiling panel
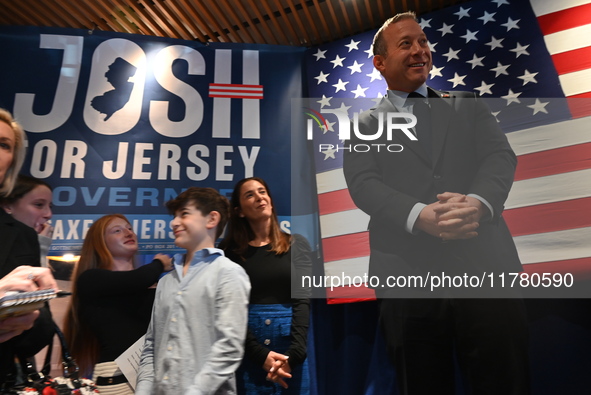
pixel 236 24
pixel 284 22
pixel 304 32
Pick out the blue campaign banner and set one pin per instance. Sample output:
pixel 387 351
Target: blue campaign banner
pixel 122 123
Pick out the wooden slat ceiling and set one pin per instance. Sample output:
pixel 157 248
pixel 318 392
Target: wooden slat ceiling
pixel 283 22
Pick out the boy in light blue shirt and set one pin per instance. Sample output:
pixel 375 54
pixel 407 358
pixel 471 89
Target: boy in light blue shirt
pixel 195 340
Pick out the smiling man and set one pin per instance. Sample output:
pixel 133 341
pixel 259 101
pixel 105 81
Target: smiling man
pixel 435 211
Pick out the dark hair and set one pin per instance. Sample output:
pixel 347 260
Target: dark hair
pixel 379 45
pixel 205 200
pixel 239 231
pixel 24 184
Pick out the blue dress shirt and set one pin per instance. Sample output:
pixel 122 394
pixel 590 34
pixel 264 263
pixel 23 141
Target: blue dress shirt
pixel 195 341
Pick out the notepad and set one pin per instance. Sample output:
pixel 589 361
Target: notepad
pixel 19 303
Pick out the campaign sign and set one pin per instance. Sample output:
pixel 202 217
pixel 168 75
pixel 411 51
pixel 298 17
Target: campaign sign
pixel 121 123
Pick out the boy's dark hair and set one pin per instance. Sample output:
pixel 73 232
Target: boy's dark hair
pixel 205 200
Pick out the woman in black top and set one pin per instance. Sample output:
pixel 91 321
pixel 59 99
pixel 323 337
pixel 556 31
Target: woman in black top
pixel 111 301
pixel 275 349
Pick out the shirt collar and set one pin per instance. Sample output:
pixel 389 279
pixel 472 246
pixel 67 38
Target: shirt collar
pixel 209 251
pixel 200 256
pixel 398 98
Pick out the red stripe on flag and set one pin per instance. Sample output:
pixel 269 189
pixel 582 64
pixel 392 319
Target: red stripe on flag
pixel 335 201
pixel 586 95
pixel 350 294
pixel 348 246
pixel 565 19
pixel 549 217
pixel 579 105
pixel 571 61
pixel 554 161
pixel 579 268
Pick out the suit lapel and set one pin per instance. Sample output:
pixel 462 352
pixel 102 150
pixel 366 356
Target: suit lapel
pixel 441 111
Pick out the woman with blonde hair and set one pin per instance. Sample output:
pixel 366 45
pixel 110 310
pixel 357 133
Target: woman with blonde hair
pixel 9 170
pixel 111 301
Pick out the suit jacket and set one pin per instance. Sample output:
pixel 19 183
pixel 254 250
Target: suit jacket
pixel 19 245
pixel 470 155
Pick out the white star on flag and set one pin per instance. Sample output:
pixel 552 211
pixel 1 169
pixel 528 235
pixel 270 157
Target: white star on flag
pixel 452 54
pixel 500 69
pixel 484 88
pixel 528 77
pixel 325 101
pixel 511 24
pixel 359 91
pixel 338 61
pixel 425 23
pixel 328 127
pixel 355 67
pixel 469 36
pixel 319 55
pixel 457 80
pixel 487 17
pixel 500 2
pixel 374 75
pixel 329 153
pixel 340 86
pixel 445 29
pixel 511 97
pixel 353 45
pixel 436 72
pixel 322 77
pixel 538 106
pixel 344 108
pixel 463 13
pixel 494 43
pixel 476 61
pixel 520 50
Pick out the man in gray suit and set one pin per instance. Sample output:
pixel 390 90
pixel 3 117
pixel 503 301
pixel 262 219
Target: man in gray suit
pixel 435 210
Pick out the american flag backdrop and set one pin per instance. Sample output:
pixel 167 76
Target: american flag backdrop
pixel 531 60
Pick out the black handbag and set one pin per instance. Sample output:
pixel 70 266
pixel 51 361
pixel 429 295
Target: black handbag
pixel 39 382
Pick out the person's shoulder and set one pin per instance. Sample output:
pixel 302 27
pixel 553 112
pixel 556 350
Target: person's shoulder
pixel 225 262
pixel 17 226
pixel 229 267
pixel 231 273
pixel 299 241
pixel 89 277
pixel 90 274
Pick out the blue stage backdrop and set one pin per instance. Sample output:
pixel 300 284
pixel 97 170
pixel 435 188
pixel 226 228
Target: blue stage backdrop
pixel 123 123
